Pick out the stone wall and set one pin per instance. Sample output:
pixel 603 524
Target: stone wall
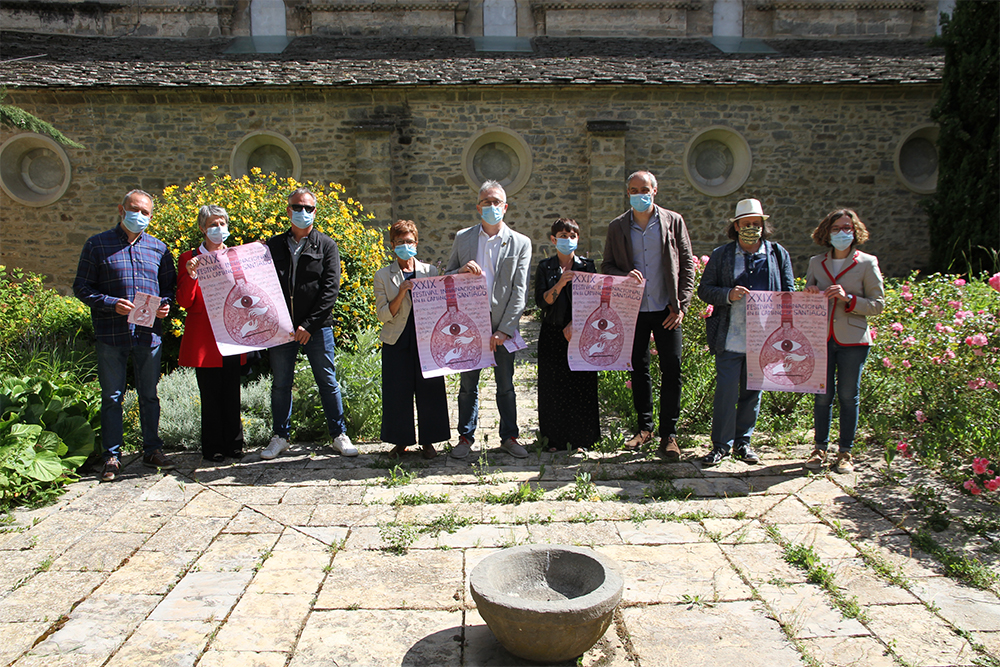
pixel 400 152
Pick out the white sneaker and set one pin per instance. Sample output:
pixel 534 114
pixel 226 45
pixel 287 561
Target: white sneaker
pixel 275 447
pixel 343 446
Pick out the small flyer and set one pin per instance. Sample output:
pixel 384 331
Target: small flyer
pixel 143 313
pixel 452 317
pixel 605 309
pixel 786 341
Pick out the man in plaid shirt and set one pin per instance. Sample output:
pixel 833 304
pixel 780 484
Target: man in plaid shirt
pixel 114 266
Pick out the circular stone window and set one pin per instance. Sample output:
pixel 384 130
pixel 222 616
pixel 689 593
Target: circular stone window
pixel 268 151
pixel 717 161
pixel 497 154
pixel 916 160
pixel 34 169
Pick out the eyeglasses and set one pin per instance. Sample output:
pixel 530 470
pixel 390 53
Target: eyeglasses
pixel 491 202
pixel 302 207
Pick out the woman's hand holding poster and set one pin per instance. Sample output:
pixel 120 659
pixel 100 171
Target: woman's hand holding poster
pixel 604 313
pixel 786 341
pixel 452 317
pixel 243 298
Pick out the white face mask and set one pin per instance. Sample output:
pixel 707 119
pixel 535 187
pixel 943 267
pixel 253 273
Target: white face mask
pixel 492 215
pixel 217 234
pixel 842 240
pixel 135 221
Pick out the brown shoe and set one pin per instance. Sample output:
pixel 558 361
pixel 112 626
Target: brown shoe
pixel 156 459
pixel 639 439
pixel 111 469
pixel 669 450
pixel 428 451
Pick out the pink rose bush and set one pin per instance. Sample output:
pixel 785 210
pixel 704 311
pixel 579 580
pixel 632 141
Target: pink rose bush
pixel 983 478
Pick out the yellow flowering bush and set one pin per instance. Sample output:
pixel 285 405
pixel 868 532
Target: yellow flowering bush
pixel 256 206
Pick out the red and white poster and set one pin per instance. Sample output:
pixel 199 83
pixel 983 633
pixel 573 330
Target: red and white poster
pixel 786 342
pixel 604 313
pixel 243 298
pixel 452 317
pixel 144 307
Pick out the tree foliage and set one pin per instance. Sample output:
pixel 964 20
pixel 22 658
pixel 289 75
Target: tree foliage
pixel 19 119
pixel 965 210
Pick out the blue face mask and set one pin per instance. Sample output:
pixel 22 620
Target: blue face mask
pixel 566 246
pixel 492 215
pixel 842 240
pixel 405 251
pixel 640 203
pixel 217 234
pixel 135 221
pixel 303 219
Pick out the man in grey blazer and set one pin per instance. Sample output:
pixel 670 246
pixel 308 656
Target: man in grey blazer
pixel 652 244
pixel 494 250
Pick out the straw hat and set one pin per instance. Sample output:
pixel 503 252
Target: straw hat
pixel 748 207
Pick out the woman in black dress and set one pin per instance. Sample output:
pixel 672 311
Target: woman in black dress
pixel 567 400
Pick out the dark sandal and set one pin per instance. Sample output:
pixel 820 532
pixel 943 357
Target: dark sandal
pixel 218 457
pixel 428 451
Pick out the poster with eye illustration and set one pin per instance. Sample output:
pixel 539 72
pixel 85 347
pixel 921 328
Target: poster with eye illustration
pixel 786 342
pixel 144 307
pixel 452 317
pixel 604 313
pixel 243 298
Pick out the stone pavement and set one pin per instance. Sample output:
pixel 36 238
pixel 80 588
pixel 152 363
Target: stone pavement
pixel 313 559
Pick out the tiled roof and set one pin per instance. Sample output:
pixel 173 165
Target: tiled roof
pixel 33 60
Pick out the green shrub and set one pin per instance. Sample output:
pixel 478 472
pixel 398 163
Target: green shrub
pixel 256 206
pixel 359 373
pixel 46 432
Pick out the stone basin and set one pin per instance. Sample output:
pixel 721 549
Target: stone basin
pixel 547 602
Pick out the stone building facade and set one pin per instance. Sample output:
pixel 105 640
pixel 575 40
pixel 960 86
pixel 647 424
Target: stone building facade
pixel 410 126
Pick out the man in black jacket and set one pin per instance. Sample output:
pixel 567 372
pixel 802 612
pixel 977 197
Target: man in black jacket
pixel 308 267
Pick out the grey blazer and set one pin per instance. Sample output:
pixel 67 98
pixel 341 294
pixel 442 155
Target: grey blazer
pixel 510 287
pixel 387 282
pixel 861 279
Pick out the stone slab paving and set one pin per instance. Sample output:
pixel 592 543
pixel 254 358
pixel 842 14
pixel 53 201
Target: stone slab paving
pixel 312 559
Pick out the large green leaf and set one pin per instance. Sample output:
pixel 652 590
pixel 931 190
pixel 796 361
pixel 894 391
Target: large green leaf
pixel 76 433
pixel 46 466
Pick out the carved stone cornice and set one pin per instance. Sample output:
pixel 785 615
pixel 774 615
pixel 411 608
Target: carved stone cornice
pixel 690 5
pixel 386 7
pixel 914 5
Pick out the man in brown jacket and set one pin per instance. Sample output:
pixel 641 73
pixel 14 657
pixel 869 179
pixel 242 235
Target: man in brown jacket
pixel 651 243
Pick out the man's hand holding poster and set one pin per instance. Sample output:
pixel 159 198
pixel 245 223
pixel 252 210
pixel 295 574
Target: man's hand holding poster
pixel 243 298
pixel 604 313
pixel 452 317
pixel 786 341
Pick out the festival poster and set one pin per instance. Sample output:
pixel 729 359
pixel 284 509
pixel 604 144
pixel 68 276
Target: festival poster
pixel 604 313
pixel 144 307
pixel 786 341
pixel 452 317
pixel 243 297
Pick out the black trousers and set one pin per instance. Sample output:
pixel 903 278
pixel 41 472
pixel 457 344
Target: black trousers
pixel 401 381
pixel 221 425
pixel 668 348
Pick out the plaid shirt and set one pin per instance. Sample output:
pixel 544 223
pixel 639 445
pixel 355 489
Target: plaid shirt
pixel 110 269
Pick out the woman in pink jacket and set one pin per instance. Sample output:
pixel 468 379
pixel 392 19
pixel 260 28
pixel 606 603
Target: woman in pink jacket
pixel 851 280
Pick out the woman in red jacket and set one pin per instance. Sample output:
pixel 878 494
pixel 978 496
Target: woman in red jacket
pixel 218 376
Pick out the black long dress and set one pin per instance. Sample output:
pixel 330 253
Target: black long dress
pixel 567 400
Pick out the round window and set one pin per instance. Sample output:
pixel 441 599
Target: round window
pixel 497 154
pixel 916 160
pixel 271 152
pixel 717 161
pixel 34 169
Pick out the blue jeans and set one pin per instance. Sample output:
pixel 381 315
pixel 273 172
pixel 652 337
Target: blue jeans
pixel 733 425
pixel 847 361
pixel 112 362
pixel 319 351
pixel 468 398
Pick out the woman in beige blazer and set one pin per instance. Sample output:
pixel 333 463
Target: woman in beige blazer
pixel 852 281
pixel 401 376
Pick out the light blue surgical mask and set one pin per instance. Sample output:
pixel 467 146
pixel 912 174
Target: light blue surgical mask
pixel 842 240
pixel 217 234
pixel 405 251
pixel 640 203
pixel 566 246
pixel 492 215
pixel 135 221
pixel 303 219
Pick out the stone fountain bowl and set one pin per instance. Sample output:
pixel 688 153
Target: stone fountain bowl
pixel 547 602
